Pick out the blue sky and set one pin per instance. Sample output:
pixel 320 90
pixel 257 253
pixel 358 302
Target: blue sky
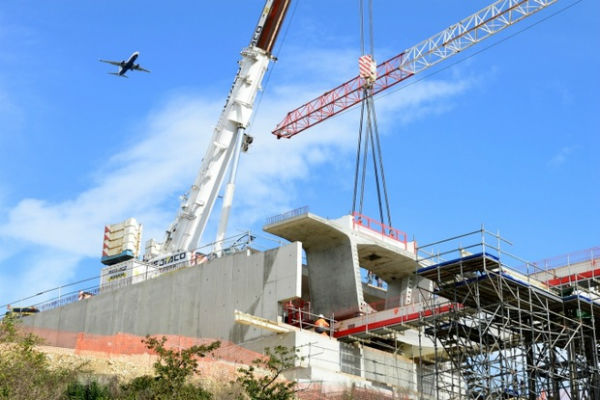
pixel 507 137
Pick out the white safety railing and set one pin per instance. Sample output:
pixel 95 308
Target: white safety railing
pixel 287 215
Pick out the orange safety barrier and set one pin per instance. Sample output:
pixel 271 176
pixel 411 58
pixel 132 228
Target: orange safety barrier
pixel 379 227
pixel 128 344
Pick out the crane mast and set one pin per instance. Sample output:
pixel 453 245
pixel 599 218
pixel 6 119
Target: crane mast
pixel 458 37
pixel 196 206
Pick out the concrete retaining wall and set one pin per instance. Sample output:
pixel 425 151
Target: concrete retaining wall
pixel 196 302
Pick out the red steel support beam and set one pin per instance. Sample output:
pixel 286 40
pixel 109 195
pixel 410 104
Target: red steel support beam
pixel 341 98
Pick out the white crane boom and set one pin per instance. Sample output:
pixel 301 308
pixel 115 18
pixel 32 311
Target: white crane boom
pixel 188 227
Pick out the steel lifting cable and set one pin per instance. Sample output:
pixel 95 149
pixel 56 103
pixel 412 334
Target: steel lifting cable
pixel 362 27
pixel 375 131
pixel 372 132
pixel 360 127
pixel 364 169
pixel 362 114
pixel 378 142
pixel 371 40
pixel 371 135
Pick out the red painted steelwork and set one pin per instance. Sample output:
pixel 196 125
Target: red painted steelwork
pixel 396 320
pixel 376 226
pixel 341 98
pixel 451 41
pixel 575 277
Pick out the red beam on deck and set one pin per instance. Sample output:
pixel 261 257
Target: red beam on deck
pixel 574 277
pixel 394 321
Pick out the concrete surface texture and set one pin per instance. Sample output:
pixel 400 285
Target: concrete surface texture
pixel 195 302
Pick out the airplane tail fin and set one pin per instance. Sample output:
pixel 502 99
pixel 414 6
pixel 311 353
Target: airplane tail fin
pixel 117 74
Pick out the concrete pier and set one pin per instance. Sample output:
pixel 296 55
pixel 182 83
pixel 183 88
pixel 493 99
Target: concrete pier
pixel 335 252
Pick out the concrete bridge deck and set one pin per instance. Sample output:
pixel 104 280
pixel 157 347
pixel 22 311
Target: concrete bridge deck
pixel 386 255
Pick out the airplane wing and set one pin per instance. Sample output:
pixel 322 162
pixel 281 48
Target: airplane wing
pixel 138 68
pixel 117 63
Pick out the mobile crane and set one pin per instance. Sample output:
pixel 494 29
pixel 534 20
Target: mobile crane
pixel 225 145
pixel 121 241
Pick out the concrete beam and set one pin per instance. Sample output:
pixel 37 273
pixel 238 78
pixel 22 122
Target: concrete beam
pixel 263 323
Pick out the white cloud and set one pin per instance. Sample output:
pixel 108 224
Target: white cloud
pixel 47 269
pixel 137 181
pixel 273 173
pixel 562 156
pixel 164 160
pixel 316 69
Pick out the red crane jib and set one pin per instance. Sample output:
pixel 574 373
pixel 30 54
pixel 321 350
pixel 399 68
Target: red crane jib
pixel 451 41
pixel 341 98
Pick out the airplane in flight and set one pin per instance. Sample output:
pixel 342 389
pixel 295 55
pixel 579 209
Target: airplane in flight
pixel 125 66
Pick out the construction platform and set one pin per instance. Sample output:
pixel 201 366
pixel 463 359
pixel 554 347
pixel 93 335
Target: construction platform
pixel 445 322
pixel 535 328
pixel 455 278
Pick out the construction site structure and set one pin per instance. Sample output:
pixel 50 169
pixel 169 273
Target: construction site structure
pixel 459 318
pixel 260 298
pixel 452 320
pixel 511 328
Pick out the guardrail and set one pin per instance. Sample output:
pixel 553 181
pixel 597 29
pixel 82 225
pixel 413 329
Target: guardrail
pixel 379 227
pixel 303 319
pixel 575 257
pixel 61 298
pixel 67 299
pixel 287 215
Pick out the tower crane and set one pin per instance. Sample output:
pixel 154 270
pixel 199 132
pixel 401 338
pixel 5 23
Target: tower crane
pixel 458 37
pixel 226 142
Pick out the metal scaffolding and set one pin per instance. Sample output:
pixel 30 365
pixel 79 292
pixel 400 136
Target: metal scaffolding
pixel 516 330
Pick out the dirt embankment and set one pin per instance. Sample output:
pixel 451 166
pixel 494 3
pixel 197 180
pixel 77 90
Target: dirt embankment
pixel 215 375
pixel 128 366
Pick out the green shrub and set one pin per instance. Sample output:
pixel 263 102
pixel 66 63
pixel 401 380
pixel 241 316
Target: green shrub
pixel 25 372
pixel 88 391
pixel 172 371
pixel 267 386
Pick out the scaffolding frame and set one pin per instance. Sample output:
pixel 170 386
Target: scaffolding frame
pixel 514 333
